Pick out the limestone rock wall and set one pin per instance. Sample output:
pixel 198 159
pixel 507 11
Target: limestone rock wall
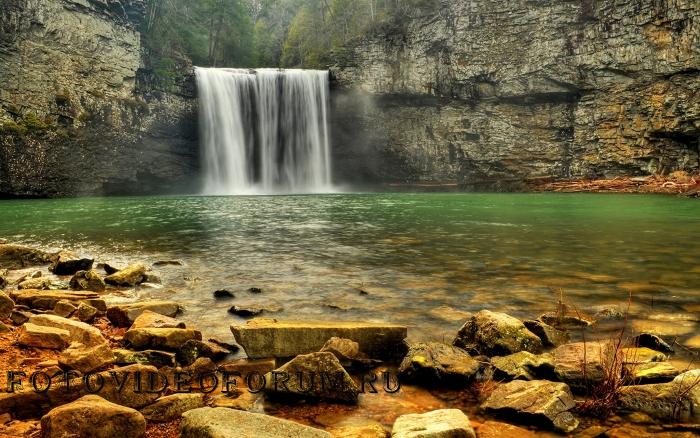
pixel 493 93
pixel 79 113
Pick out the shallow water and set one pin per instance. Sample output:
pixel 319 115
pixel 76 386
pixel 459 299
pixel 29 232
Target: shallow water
pixel 422 259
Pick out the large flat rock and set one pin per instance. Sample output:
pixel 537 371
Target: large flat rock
pixel 47 299
pixel 443 423
pixel 263 337
pixel 232 423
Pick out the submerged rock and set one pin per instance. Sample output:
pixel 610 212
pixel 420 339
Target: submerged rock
pixel 493 334
pixel 676 401
pixel 246 311
pixel 93 417
pixel 67 263
pixel 523 366
pixel 124 315
pixel 87 280
pixel 172 407
pixel 264 337
pixel 316 375
pixel 434 362
pixel 160 338
pixel 533 401
pixel 44 337
pixel 564 321
pixel 223 294
pixel 231 423
pixel 443 423
pixel 550 336
pixel 130 276
pixel 168 263
pixel 652 341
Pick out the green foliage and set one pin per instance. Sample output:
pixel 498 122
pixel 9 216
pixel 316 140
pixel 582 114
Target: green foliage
pixel 265 33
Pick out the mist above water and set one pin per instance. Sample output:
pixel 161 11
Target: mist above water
pixel 264 131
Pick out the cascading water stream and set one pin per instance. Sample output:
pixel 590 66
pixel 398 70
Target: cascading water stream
pixel 264 130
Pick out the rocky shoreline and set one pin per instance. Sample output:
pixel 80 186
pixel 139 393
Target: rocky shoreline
pixel 76 366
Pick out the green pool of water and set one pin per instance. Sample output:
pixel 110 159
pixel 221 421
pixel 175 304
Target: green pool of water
pixel 420 259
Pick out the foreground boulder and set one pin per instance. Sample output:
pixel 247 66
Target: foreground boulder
pixel 67 263
pixel 675 401
pixel 523 366
pixel 130 276
pixel 496 334
pixel 538 401
pixel 150 319
pixel 87 280
pixel 263 337
pixel 81 332
pixel 443 423
pixel 172 407
pixel 19 256
pixel 569 360
pixel 435 362
pixel 124 315
pixel 119 387
pixel 93 417
pixel 44 337
pixel 231 423
pixel 86 359
pixel 160 338
pixel 318 375
pixel 47 300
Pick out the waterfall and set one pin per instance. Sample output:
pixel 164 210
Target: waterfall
pixel 264 130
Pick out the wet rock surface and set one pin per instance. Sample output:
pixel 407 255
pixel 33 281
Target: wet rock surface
pixel 130 276
pixel 493 333
pixel 435 363
pixel 539 401
pixel 67 263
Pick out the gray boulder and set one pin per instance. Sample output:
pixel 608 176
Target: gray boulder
pixel 435 362
pixel 496 334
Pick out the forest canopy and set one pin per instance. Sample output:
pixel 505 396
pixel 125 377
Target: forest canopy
pixel 264 33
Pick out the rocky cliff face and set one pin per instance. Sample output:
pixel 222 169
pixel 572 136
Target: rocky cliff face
pixel 79 114
pixel 496 94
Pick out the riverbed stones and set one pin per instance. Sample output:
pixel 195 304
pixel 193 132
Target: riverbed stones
pixel 246 311
pixel 128 277
pixel 86 359
pixel 265 337
pixel 569 360
pixel 46 300
pixel 523 365
pixel 6 305
pixel 92 416
pixel 172 407
pixel 442 423
pixel 119 388
pixel 652 372
pixel 231 423
pixel 160 338
pixel 40 283
pixel 19 256
pixel 194 349
pixel 675 401
pixel 124 315
pixel 156 358
pixel 550 336
pixel 652 341
pixel 86 312
pixel 437 363
pixel 39 336
pixel 80 332
pixel 316 375
pixel 87 280
pixel 531 401
pixel 496 334
pixel 64 309
pixel 68 263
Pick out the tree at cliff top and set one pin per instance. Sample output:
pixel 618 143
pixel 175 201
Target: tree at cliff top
pixel 263 33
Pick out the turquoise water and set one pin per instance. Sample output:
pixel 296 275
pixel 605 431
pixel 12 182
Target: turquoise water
pixel 413 254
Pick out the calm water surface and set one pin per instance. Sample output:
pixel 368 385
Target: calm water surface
pixel 420 259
